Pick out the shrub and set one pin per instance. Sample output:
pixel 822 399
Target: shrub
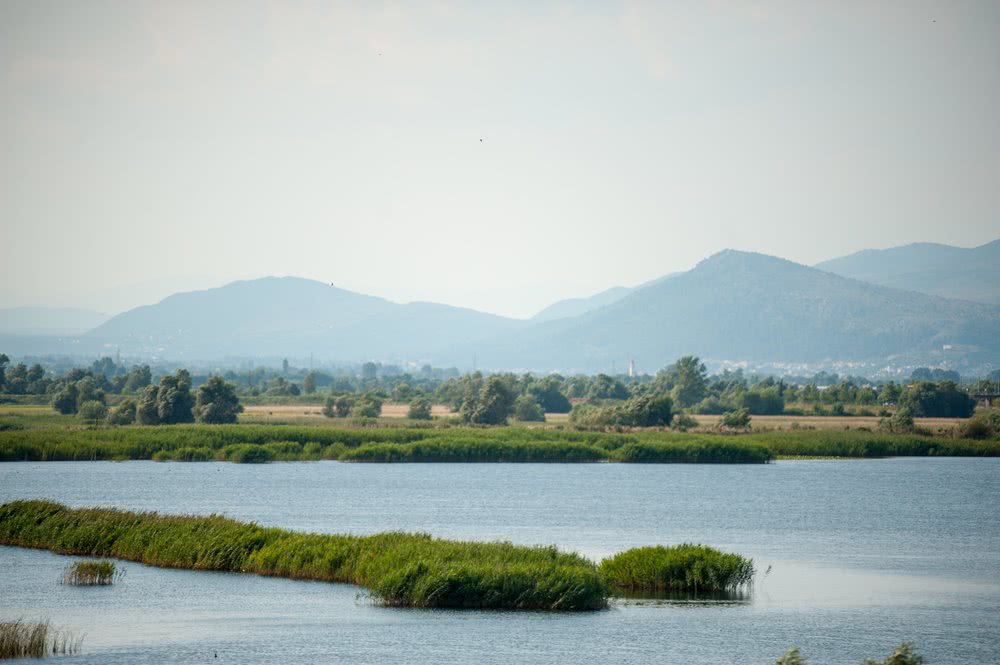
pixel 124 413
pixel 901 422
pixel 682 422
pixel 983 425
pixel 738 419
pixel 247 453
pixel 93 411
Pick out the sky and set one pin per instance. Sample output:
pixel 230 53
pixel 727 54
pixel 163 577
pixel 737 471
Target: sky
pixel 498 156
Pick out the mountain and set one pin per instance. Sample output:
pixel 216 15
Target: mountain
pixel 290 316
pixel 48 320
pixel 941 270
pixel 576 306
pixel 744 306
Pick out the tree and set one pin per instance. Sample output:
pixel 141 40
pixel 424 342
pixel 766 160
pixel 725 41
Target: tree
pixel 4 360
pixel 343 406
pixel 550 397
pixel 492 406
pixel 124 413
pixel 369 371
pixel 528 410
pixel 138 378
pixel 146 411
pixel 646 411
pixel 607 387
pixel 309 383
pixel 690 381
pixel 367 406
pixel 937 400
pixel 174 402
pixel 93 411
pixel 65 400
pixel 217 402
pixel 420 409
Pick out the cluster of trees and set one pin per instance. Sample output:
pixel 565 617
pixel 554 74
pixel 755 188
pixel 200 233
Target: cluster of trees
pixel 171 401
pixel 497 398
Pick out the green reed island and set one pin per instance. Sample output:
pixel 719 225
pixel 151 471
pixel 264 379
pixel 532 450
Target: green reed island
pixel 398 569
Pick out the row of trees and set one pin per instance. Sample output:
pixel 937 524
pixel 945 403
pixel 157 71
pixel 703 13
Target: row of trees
pixel 171 401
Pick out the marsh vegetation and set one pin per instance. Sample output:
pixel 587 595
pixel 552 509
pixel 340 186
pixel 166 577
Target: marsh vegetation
pixel 35 639
pixel 92 573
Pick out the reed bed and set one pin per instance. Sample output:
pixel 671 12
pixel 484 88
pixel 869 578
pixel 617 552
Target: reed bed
pixel 399 569
pixel 244 443
pixel 694 568
pixel 92 573
pixel 20 639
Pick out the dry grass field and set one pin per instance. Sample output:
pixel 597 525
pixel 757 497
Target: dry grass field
pixel 306 412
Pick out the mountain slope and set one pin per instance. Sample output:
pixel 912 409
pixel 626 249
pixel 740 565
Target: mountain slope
pixel 942 270
pixel 743 306
pixel 290 316
pixel 577 306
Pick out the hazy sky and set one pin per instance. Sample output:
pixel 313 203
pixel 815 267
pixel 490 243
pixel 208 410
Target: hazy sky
pixel 495 155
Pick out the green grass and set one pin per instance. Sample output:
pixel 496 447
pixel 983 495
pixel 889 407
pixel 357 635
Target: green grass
pixel 40 437
pixel 695 568
pixel 400 569
pixel 91 573
pixel 19 639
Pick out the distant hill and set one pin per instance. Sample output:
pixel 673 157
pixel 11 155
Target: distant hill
pixel 744 306
pixel 577 306
pixel 941 270
pixel 563 309
pixel 290 316
pixel 48 320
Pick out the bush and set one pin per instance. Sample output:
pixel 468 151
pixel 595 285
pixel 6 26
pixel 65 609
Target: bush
pixel 682 422
pixel 738 419
pixel 937 400
pixel 983 425
pixel 247 453
pixel 124 413
pixel 93 411
pixel 901 422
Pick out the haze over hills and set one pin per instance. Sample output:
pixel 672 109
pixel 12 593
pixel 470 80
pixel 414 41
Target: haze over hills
pixel 744 306
pixel 942 270
pixel 291 316
pixel 734 306
pixel 48 320
pixel 577 306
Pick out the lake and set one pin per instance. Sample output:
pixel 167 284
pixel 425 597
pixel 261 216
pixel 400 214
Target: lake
pixel 862 555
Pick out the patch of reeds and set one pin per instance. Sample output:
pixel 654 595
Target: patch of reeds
pixel 243 443
pixel 400 569
pixel 92 573
pixel 20 639
pixel 692 568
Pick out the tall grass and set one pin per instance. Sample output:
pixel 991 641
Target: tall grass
pixel 696 568
pixel 264 443
pixel 410 570
pixel 19 639
pixel 91 573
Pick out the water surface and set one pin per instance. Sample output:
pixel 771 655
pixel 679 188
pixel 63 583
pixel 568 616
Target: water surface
pixel 863 554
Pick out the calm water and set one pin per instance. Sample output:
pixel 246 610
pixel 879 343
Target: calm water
pixel 863 555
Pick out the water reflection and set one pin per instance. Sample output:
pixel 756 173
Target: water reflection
pixel 630 597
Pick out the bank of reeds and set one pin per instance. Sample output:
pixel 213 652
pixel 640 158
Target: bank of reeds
pixel 694 568
pixel 265 443
pixel 20 639
pixel 91 573
pixel 402 569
